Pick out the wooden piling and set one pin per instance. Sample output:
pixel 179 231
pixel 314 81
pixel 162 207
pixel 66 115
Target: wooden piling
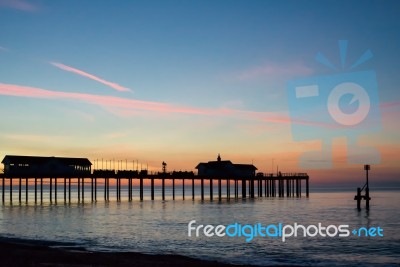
pixel 35 190
pixel 163 188
pixel 141 189
pixel 243 188
pixel 192 188
pixel 152 188
pixel 11 190
pixel 19 190
pixel 183 188
pixel 211 189
pixel 26 190
pixel 219 189
pixel 202 189
pixel 173 188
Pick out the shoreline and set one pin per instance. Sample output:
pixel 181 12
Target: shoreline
pixel 23 252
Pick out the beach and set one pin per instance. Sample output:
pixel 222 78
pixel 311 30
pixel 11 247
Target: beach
pixel 14 252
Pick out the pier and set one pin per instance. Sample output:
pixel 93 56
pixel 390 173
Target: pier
pixel 57 179
pixel 102 183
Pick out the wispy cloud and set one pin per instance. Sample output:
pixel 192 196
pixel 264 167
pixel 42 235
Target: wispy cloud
pixel 273 70
pixel 18 5
pixel 90 76
pixel 133 107
pixel 3 49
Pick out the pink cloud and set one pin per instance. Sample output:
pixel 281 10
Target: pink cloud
pixel 274 70
pixel 90 76
pixel 129 107
pixel 132 107
pixel 18 4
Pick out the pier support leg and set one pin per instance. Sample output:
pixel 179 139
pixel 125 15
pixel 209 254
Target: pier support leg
pixel 228 188
pixel 11 188
pixel 26 190
pixel 307 188
pixel 211 189
pixel 19 190
pixel 152 188
pixel 252 188
pixel 69 189
pixel 79 189
pixel 173 188
pixel 202 188
pixel 65 190
pixel 35 190
pixel 3 187
pixel 243 188
pixel 219 189
pixel 105 189
pixel 163 188
pixel 183 188
pixel 41 190
pixel 192 188
pixel 55 190
pixel 141 189
pixel 51 190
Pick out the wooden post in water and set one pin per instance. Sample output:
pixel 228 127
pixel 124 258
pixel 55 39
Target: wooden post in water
pixel 105 189
pixel 95 189
pixel 367 198
pixel 358 198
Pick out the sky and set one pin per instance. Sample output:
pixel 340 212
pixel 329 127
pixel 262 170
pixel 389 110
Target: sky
pixel 181 81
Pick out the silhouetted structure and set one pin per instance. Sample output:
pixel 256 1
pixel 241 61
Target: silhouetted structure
pixel 225 168
pixel 75 176
pixel 359 197
pixel 45 166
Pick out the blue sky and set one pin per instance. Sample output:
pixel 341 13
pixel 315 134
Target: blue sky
pixel 208 55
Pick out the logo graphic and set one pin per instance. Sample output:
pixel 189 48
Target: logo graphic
pixel 343 104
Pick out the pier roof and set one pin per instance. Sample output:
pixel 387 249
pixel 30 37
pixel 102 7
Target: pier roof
pixel 11 159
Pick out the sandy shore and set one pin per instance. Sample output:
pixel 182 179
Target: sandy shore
pixel 16 252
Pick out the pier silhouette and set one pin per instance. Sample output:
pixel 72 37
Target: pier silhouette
pixel 38 172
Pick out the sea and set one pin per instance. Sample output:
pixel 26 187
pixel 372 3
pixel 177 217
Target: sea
pixel 161 227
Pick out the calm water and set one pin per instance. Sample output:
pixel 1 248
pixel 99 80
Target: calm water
pixel 158 227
